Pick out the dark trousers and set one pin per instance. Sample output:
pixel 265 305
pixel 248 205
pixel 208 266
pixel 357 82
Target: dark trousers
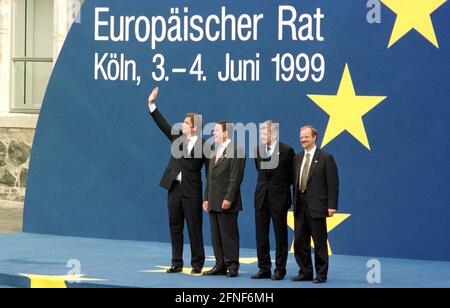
pixel 279 220
pixel 183 209
pixel 225 239
pixel 305 228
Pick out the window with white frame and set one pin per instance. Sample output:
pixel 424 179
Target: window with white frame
pixel 32 61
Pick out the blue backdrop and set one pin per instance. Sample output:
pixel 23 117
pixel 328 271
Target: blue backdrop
pixel 98 157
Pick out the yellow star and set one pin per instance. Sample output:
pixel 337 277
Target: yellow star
pixel 346 110
pixel 413 14
pixel 332 222
pixel 187 271
pixel 248 260
pixel 163 269
pixel 241 260
pixel 54 282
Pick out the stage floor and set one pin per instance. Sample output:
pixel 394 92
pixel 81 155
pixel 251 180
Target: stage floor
pixel 32 260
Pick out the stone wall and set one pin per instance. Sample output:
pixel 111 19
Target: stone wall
pixel 15 147
pixel 17 130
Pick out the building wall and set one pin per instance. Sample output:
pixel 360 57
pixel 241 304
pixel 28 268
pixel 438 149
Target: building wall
pixel 15 146
pixel 17 129
pixel 5 54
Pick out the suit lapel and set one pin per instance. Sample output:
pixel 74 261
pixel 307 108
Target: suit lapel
pixel 185 147
pixel 224 156
pixel 263 157
pixel 314 163
pixel 263 152
pixel 219 162
pixel 276 151
pixel 297 169
pixel 197 148
pixel 212 160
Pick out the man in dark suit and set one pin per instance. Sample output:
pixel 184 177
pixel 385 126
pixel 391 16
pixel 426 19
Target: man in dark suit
pixel 316 185
pixel 223 200
pixel 183 180
pixel 272 200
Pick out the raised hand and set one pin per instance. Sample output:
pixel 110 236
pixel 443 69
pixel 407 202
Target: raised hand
pixel 153 96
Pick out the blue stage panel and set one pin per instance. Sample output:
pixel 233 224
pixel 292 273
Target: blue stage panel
pixel 126 264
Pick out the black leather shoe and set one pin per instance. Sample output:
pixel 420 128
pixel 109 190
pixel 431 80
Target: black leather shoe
pixel 232 273
pixel 262 275
pixel 277 276
pixel 301 278
pixel 196 271
pixel 216 271
pixel 320 280
pixel 174 270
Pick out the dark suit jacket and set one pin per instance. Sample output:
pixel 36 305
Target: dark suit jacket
pixel 189 166
pixel 225 179
pixel 274 183
pixel 322 191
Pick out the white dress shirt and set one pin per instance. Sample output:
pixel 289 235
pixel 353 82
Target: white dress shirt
pixel 272 148
pixel 222 148
pixel 191 143
pixel 311 157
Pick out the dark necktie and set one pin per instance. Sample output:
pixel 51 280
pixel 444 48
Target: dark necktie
pixel 304 178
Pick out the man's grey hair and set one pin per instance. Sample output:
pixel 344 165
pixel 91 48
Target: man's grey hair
pixel 272 126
